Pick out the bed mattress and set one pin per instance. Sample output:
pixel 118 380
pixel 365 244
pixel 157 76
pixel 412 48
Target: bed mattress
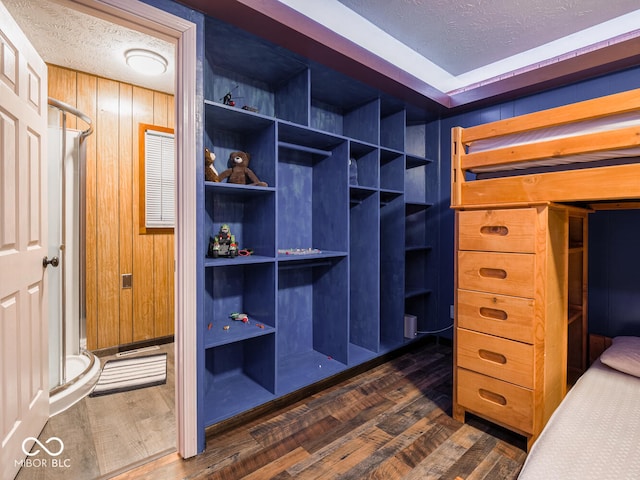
pixel 594 433
pixel 614 122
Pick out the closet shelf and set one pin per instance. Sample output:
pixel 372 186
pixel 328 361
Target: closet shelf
pixel 310 257
pixel 234 119
pixel 411 292
pixel 413 161
pixel 415 207
pixel 223 188
pixel 216 334
pixel 240 260
pixel 418 248
pixel 303 148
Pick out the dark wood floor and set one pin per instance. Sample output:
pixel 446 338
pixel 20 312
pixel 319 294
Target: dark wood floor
pixel 391 422
pixel 104 435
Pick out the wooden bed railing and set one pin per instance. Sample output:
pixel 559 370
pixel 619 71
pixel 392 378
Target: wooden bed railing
pixel 592 184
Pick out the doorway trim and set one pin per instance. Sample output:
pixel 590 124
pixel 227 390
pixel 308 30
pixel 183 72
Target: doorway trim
pixel 150 19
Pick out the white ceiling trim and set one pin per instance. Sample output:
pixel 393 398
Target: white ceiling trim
pixel 590 38
pixel 345 22
pixel 355 28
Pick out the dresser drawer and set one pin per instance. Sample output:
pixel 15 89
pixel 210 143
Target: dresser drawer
pixel 501 315
pixel 510 230
pixel 504 359
pixel 504 273
pixel 500 401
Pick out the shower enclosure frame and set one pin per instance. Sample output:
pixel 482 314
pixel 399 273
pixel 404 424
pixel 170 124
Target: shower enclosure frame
pixel 65 383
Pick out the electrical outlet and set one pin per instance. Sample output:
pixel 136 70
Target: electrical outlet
pixel 451 313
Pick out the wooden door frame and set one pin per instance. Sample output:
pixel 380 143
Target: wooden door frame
pixel 149 19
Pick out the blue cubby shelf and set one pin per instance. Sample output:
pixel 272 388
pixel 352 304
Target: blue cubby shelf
pixel 418 248
pixel 416 207
pixel 366 158
pixel 416 292
pixel 414 161
pixel 234 189
pixel 301 369
pixel 239 260
pixel 391 170
pixel 232 394
pixel 307 259
pixel 324 311
pixel 392 129
pixel 248 289
pixel 216 334
pixel 359 355
pixel 358 194
pixel 312 322
pixel 225 117
pixel 238 376
pixel 388 196
pixel 364 260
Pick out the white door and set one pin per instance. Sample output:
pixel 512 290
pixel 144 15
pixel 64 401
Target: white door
pixel 24 392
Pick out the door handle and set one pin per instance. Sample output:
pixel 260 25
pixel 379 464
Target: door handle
pixel 55 261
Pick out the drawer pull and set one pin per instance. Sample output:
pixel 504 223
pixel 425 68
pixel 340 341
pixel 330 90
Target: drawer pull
pixel 494 230
pixel 493 273
pixel 492 356
pixel 493 313
pixel 492 397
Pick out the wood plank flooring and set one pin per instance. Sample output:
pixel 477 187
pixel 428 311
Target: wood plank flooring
pixel 390 422
pixel 104 435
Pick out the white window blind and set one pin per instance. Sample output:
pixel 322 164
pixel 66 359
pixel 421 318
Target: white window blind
pixel 159 179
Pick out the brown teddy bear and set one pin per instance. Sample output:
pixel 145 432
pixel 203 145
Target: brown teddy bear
pixel 239 172
pixel 210 172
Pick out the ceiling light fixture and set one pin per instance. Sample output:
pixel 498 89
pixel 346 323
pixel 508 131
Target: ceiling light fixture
pixel 146 61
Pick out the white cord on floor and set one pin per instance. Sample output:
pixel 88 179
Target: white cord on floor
pixel 436 331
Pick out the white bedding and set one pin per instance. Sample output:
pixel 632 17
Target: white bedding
pixel 594 433
pixel 613 122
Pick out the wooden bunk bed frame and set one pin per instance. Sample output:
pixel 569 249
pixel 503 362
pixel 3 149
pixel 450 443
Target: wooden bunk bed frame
pixel 503 198
pixel 596 184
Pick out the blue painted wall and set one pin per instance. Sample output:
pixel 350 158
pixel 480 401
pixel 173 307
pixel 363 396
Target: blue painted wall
pixel 614 273
pixel 614 259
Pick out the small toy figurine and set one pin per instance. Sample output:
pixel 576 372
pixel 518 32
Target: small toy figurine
pixel 210 172
pixel 239 171
pixel 228 97
pixel 242 317
pixel 223 244
pixel 228 100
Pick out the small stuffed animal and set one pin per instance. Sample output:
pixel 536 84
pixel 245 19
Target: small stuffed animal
pixel 239 171
pixel 210 172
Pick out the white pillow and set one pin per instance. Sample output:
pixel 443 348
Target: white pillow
pixel 623 355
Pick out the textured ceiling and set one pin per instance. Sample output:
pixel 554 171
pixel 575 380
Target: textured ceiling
pixel 463 35
pixel 443 48
pixel 70 38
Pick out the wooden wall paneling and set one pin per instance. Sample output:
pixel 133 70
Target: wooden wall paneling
pixel 125 198
pixel 163 253
pixel 86 103
pixel 107 238
pixel 143 251
pixel 117 316
pixel 62 86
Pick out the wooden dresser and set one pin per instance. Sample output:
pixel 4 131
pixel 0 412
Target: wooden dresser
pixel 511 312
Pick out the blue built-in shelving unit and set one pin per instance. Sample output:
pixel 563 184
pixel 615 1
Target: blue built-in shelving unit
pixel 335 264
